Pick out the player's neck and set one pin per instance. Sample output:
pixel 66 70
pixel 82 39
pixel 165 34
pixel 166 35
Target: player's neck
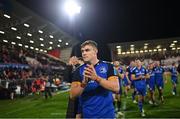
pixel 95 61
pixel 139 67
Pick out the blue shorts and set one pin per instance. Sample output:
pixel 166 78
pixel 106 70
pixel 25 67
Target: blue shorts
pixel 125 82
pixel 133 84
pixel 159 83
pixel 174 80
pixel 147 81
pixel 140 87
pixel 152 84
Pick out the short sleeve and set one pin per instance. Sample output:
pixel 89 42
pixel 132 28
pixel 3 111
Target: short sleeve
pixel 133 72
pixel 145 71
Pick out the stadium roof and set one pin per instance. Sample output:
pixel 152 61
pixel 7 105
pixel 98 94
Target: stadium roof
pixel 146 46
pixel 23 28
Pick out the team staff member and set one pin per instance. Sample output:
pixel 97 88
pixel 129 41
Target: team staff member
pixel 94 82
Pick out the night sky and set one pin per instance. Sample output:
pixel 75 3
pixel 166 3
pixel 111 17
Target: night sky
pixel 111 21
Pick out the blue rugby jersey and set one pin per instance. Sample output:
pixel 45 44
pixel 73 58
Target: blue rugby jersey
pixel 140 83
pixel 173 71
pixel 120 70
pixel 97 102
pixel 130 71
pixel 158 72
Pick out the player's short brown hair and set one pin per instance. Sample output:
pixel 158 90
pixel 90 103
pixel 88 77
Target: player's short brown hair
pixel 89 42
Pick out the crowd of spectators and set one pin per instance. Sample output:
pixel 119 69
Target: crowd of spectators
pixel 23 68
pixel 169 56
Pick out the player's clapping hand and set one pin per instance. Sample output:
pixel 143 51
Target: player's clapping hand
pixel 90 72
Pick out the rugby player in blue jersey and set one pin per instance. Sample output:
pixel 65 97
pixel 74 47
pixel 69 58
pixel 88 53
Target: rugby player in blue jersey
pixel 126 82
pixel 151 79
pixel 159 81
pixel 174 78
pixel 117 96
pixel 129 71
pixel 139 75
pixel 94 82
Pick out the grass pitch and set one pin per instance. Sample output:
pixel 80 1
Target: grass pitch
pixel 36 106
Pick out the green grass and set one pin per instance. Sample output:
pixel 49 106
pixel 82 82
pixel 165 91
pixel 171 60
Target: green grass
pixel 35 107
pixel 170 108
pixel 38 107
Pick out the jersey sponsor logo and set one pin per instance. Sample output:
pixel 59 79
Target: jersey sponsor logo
pixel 103 69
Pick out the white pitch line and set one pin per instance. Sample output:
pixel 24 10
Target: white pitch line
pixel 63 91
pixel 160 110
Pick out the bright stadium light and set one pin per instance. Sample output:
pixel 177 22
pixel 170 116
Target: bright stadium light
pixel 119 51
pixel 72 8
pixel 41 39
pixel 128 52
pixel 51 36
pixel 175 41
pixel 32 48
pixel 67 43
pixel 13 43
pixel 150 50
pixel 137 51
pixel 18 37
pixel 50 42
pixel 132 52
pixel 146 44
pixel 141 51
pixel 118 46
pixel 145 50
pixel 31 41
pixel 2 32
pixel 26 46
pixel 26 25
pixel 123 53
pixel 145 47
pixel 60 40
pixel 159 50
pixel 40 31
pixel 5 41
pixel 29 34
pixel 173 48
pixel 20 45
pixel 13 28
pixel 7 16
pixel 164 49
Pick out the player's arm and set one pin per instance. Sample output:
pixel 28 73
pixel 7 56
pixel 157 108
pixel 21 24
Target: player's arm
pixel 147 76
pixel 133 77
pixel 111 83
pixel 77 87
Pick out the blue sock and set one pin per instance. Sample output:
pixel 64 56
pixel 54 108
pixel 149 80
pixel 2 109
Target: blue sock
pixel 174 90
pixel 133 95
pixel 140 105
